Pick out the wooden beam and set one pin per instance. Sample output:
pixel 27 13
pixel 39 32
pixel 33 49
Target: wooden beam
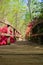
pixel 11 26
pixel 33 35
pixel 8 35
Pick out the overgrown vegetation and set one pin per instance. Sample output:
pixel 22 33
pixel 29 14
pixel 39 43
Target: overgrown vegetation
pixel 20 12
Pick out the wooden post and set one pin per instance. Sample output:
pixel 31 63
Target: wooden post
pixel 39 41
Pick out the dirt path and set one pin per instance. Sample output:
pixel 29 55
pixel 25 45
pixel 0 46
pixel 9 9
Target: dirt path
pixel 21 54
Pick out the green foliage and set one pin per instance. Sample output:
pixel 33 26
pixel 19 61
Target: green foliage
pixel 14 11
pixel 27 17
pixel 17 12
pixel 35 8
pixel 41 12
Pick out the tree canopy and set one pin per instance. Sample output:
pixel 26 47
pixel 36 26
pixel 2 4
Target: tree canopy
pixel 20 12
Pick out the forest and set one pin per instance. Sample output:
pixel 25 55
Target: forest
pixel 20 12
pixel 21 32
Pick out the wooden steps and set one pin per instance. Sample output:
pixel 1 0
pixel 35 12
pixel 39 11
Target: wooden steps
pixel 17 54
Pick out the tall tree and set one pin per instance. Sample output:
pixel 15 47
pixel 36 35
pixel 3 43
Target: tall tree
pixel 34 8
pixel 29 2
pixel 41 12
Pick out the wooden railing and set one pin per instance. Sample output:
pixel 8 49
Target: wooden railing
pixel 11 27
pixel 33 35
pixel 37 38
pixel 8 35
